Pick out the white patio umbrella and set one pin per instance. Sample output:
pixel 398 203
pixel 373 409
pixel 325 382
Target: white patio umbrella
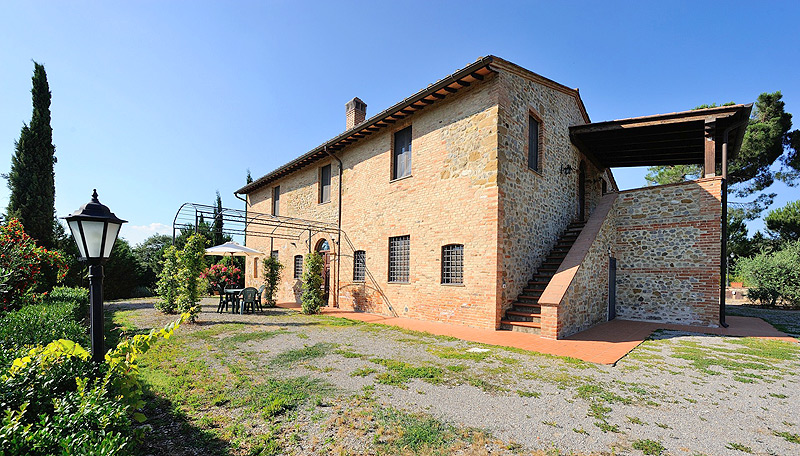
pixel 231 248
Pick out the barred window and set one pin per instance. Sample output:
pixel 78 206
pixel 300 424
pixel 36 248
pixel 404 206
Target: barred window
pixel 359 266
pixel 453 264
pixel 298 266
pixel 399 258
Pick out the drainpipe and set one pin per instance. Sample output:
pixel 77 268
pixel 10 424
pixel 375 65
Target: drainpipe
pixel 338 227
pixel 723 264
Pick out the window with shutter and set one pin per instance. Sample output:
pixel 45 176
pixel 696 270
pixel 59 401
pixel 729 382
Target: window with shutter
pixel 401 155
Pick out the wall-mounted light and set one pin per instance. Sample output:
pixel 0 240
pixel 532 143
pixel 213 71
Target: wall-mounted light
pixel 567 169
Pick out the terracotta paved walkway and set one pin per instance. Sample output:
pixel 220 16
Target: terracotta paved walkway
pixel 605 343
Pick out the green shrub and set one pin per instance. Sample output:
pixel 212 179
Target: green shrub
pixel 191 264
pixel 57 401
pixel 59 317
pixel 168 282
pixel 77 295
pixel 773 277
pixel 272 279
pixel 312 298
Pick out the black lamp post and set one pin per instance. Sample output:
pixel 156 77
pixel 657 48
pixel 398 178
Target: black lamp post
pixel 95 228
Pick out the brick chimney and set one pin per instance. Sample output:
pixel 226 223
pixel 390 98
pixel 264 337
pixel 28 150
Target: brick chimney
pixel 356 112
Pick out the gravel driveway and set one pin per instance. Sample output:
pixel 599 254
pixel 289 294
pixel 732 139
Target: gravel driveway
pixel 677 393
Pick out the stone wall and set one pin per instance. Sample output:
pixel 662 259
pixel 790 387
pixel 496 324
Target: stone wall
pixel 450 198
pixel 668 252
pixel 535 207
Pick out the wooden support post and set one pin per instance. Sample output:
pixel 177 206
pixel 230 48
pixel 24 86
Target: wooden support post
pixel 709 164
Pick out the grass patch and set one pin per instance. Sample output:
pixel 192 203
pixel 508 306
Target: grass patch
pixel 399 373
pixel 595 391
pixel 349 354
pixel 788 436
pixel 649 447
pixel 456 353
pixel 635 420
pixel 739 446
pixel 456 367
pixel 522 393
pixel 275 397
pixel 363 372
pixel 605 427
pixel 217 329
pixel 303 354
pixel 245 337
pixel 420 434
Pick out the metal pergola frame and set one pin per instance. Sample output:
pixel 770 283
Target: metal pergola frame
pixel 238 222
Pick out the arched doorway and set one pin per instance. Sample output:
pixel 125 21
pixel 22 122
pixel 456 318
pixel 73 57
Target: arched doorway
pixel 582 192
pixel 324 249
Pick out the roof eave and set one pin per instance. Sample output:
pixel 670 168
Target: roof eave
pixel 387 116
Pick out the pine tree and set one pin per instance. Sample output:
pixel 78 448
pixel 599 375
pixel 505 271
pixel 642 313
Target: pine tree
pixel 32 177
pixel 249 178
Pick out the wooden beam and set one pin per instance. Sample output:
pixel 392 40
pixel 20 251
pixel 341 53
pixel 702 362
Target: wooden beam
pixel 438 95
pixel 464 83
pixel 450 89
pixel 426 101
pixel 709 167
pixel 477 76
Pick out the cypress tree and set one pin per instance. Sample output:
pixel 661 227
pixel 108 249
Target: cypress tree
pixel 32 177
pixel 216 226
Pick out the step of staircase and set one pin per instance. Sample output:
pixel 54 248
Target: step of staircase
pixel 525 313
pixel 529 327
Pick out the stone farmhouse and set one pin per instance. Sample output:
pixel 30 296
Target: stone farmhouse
pixel 487 200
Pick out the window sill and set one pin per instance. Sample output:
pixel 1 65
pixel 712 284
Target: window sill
pixel 399 283
pixel 401 178
pixel 323 202
pixel 452 284
pixel 534 171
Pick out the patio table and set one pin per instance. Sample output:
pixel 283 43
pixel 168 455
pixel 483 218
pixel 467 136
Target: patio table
pixel 233 297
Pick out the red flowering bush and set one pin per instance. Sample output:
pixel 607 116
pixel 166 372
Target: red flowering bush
pixel 21 263
pixel 220 274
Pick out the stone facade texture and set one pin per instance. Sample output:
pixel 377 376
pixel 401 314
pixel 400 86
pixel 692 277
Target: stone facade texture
pixel 536 206
pixel 668 252
pixel 470 184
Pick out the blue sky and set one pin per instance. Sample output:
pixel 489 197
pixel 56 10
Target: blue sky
pixel 156 103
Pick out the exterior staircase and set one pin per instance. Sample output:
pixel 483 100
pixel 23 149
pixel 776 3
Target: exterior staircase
pixel 525 313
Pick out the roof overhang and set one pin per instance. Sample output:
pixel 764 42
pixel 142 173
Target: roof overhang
pixel 434 93
pixel 677 138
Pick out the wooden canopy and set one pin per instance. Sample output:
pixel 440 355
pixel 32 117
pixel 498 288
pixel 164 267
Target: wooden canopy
pixel 679 138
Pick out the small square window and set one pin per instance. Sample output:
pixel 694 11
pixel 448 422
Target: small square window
pixel 359 266
pixel 298 266
pixel 453 264
pixel 401 154
pixel 274 254
pixel 399 258
pixel 325 184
